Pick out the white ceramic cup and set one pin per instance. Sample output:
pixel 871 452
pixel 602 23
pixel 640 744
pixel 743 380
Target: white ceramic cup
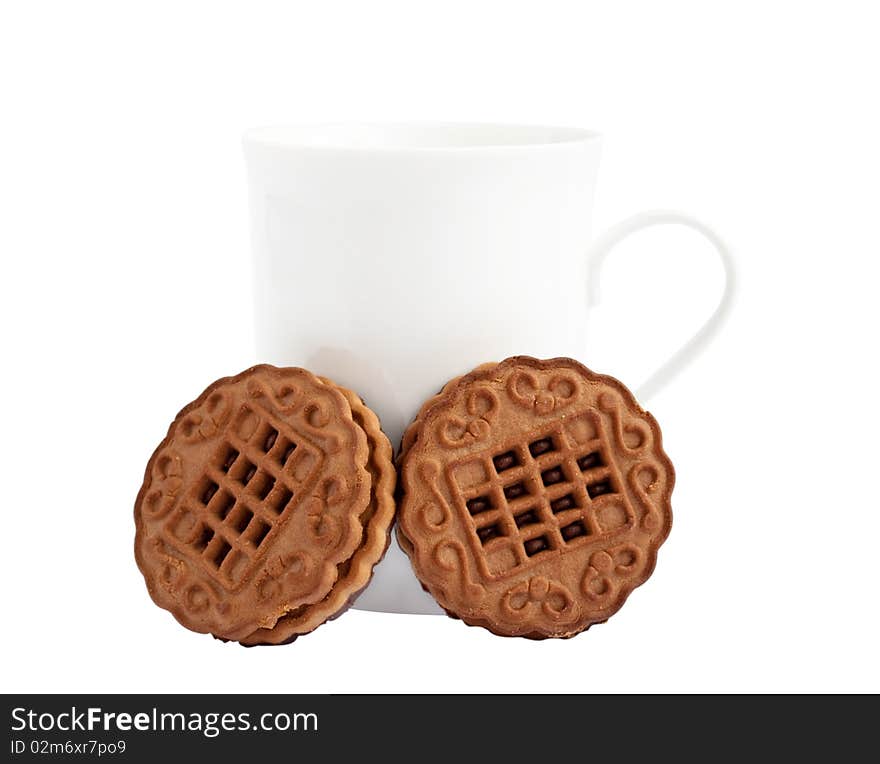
pixel 394 257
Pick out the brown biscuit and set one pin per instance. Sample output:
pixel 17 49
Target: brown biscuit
pixel 535 497
pixel 259 510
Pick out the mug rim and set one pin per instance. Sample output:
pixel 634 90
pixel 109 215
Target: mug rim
pixel 417 136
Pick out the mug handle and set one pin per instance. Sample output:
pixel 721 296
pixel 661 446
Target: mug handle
pixel 599 251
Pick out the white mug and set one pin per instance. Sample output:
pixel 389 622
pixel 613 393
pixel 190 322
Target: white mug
pixel 392 258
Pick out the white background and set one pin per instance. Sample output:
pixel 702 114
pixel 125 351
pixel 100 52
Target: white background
pixel 125 291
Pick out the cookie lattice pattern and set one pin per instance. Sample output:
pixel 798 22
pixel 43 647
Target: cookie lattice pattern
pixel 535 496
pixel 245 493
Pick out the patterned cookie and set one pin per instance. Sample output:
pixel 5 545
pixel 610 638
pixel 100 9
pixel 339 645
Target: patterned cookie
pixel 265 508
pixel 535 497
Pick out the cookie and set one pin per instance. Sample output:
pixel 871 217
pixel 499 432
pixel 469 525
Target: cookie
pixel 265 508
pixel 535 495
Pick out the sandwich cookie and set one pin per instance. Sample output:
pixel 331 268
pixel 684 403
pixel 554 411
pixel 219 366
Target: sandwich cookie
pixel 535 495
pixel 266 506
